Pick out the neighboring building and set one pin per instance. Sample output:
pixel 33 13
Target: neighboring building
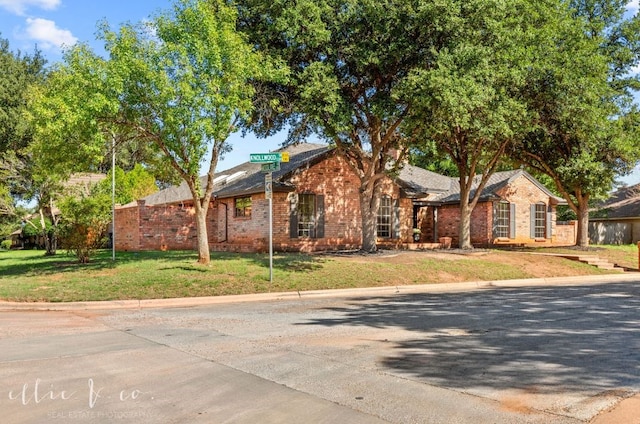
pixel 617 220
pixel 316 207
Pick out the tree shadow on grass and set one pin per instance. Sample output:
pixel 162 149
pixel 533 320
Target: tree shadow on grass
pixel 62 262
pixel 554 339
pixel 291 262
pixel 26 264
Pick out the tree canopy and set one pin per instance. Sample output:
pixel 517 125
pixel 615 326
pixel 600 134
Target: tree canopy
pixel 348 61
pixel 581 98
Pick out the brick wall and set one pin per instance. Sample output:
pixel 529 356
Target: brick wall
pixel 160 227
pixel 339 185
pixel 173 226
pixel 481 226
pixel 523 193
pixel 127 228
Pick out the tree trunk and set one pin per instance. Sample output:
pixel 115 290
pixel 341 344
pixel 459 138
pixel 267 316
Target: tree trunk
pixel 204 256
pixel 465 225
pixel 582 239
pixel 369 213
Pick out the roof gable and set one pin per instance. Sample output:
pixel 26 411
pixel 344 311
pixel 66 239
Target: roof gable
pixel 496 182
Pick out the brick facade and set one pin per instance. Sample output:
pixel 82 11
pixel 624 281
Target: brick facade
pixel 172 226
pixel 159 227
pixel 162 227
pixel 521 192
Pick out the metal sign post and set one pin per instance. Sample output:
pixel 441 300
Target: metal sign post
pixel 270 162
pixel 268 193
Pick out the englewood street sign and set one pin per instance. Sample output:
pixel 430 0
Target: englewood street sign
pixel 265 157
pixel 269 157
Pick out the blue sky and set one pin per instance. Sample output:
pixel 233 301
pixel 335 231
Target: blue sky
pixel 52 24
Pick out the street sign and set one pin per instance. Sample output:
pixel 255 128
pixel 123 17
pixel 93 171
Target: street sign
pixel 285 157
pixel 271 167
pixel 268 188
pixel 265 157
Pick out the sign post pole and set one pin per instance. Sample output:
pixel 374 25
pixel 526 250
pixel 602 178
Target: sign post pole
pixel 268 192
pixel 270 162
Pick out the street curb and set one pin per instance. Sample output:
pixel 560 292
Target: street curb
pixel 386 291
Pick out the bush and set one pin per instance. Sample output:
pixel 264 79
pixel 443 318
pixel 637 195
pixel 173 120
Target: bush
pixel 84 224
pixel 5 244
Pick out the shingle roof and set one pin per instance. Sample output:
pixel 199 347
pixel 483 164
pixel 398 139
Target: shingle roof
pixel 246 178
pixel 418 182
pixel 623 203
pixel 496 182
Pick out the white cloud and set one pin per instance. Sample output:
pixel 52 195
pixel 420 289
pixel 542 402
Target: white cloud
pixel 48 35
pixel 20 6
pixel 632 5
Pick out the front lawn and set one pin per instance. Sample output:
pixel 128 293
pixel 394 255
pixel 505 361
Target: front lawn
pixel 29 276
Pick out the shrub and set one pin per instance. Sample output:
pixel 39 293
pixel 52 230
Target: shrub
pixel 5 244
pixel 84 224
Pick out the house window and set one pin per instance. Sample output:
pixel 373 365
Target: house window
pixel 384 217
pixel 540 220
pixel 243 207
pixel 306 215
pixel 502 220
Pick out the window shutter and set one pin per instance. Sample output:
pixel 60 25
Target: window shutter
pixel 293 217
pixel 396 219
pixel 549 222
pixel 512 220
pixel 532 221
pixel 495 220
pixel 320 216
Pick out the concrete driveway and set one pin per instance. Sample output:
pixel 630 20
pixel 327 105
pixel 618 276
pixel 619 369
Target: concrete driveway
pixel 521 354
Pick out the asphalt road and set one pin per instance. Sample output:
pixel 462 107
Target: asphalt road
pixel 540 354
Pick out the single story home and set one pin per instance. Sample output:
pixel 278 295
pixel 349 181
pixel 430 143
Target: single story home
pixel 316 207
pixel 617 220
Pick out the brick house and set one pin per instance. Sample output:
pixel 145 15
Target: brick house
pixel 315 207
pixel 513 209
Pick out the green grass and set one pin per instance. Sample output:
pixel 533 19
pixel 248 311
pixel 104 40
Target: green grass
pixel 625 255
pixel 29 276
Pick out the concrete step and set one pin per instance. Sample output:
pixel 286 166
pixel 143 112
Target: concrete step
pixel 597 262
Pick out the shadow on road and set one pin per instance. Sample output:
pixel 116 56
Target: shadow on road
pixel 552 339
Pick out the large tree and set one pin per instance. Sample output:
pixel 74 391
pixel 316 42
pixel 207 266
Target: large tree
pixel 179 81
pixel 348 61
pixel 185 84
pixel 580 95
pixel 19 71
pixel 467 104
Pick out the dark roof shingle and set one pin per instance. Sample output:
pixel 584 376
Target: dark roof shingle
pixel 623 203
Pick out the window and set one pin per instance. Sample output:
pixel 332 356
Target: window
pixel 306 215
pixel 540 220
pixel 384 217
pixel 502 220
pixel 243 207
